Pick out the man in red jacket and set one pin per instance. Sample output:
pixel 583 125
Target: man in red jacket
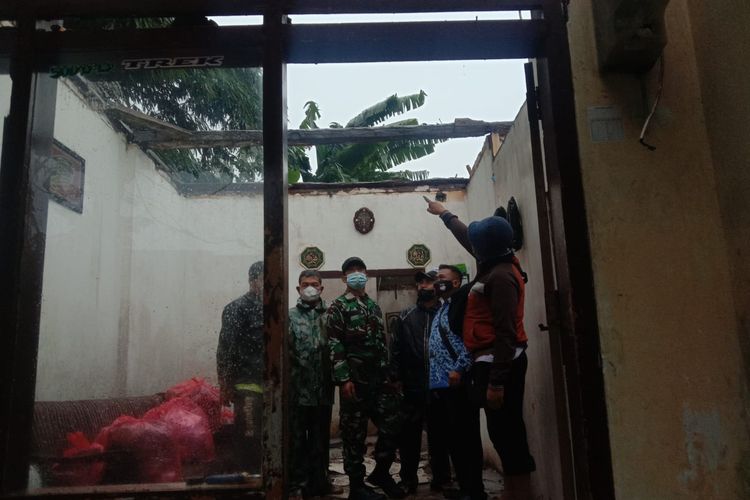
pixel 493 332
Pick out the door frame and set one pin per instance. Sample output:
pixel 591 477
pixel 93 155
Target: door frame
pixel 24 51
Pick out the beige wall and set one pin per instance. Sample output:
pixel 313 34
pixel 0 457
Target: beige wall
pixel 670 347
pixel 721 29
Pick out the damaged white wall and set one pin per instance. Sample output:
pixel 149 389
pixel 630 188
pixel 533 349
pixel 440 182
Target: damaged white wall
pixel 135 285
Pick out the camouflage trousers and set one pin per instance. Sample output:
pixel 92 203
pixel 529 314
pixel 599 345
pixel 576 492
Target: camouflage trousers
pixel 381 405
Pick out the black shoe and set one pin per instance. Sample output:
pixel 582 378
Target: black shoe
pixel 409 486
pixel 363 492
pixel 439 486
pixel 385 482
pixel 452 493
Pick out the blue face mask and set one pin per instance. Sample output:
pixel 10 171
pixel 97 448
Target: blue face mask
pixel 356 280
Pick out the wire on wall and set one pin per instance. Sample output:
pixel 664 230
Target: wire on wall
pixel 644 130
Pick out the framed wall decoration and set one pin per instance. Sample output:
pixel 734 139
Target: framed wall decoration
pixel 312 258
pixel 66 177
pixel 418 255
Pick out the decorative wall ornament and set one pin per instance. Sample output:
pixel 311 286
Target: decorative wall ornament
pixel 418 255
pixel 514 217
pixel 312 258
pixel 65 177
pixel 364 220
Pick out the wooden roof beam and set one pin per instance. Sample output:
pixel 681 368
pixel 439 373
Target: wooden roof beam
pixel 152 133
pixel 57 9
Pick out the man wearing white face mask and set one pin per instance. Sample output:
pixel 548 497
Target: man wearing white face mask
pixel 311 391
pixel 367 382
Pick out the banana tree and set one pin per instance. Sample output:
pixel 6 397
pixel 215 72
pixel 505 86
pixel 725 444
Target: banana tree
pixel 364 162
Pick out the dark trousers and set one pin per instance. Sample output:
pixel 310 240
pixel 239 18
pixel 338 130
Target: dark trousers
pixel 506 427
pixel 414 416
pixel 248 419
pixel 453 416
pixel 310 432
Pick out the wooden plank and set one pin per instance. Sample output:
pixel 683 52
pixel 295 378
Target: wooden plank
pixel 56 9
pixel 376 273
pixel 169 139
pixel 415 41
pixel 153 489
pixel 144 125
pixel 276 250
pixel 241 46
pixel 23 223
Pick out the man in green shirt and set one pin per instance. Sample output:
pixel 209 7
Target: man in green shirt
pixel 368 386
pixel 239 363
pixel 311 391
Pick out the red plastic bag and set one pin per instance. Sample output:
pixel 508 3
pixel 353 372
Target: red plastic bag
pixel 83 463
pixel 227 416
pixel 189 427
pixel 140 450
pixel 203 394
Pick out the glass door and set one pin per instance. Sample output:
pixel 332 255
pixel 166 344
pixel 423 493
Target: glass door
pixel 147 219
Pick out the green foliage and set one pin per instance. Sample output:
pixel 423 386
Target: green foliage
pixel 194 99
pixel 366 162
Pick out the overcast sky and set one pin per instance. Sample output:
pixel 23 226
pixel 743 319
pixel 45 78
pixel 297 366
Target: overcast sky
pixel 480 90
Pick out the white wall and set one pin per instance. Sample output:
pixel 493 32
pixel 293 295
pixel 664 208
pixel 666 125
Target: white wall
pixel 134 287
pixel 324 220
pixel 86 262
pixel 190 258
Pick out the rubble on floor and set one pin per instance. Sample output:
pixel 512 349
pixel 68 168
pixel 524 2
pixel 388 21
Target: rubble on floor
pixel 493 481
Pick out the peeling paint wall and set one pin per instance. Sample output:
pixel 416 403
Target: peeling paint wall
pixel 671 354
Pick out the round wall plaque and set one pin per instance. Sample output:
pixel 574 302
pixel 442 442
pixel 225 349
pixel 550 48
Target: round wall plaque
pixel 364 220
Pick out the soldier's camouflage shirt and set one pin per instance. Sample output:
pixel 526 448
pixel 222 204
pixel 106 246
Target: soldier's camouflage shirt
pixel 357 339
pixel 311 383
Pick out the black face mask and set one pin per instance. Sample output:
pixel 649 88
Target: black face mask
pixel 425 295
pixel 443 286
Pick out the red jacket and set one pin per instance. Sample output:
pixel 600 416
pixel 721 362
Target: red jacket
pixel 493 321
pixel 479 321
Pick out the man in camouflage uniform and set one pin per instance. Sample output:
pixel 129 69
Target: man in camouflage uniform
pixel 311 391
pixel 368 389
pixel 239 363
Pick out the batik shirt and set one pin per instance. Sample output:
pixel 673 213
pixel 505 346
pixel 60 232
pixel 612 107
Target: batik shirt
pixel 311 383
pixel 444 360
pixel 356 336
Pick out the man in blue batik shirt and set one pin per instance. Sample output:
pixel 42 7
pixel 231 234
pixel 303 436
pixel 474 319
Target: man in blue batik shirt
pixel 450 413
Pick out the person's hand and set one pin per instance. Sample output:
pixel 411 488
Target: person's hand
pixel 347 390
pixel 454 379
pixel 434 207
pixel 495 397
